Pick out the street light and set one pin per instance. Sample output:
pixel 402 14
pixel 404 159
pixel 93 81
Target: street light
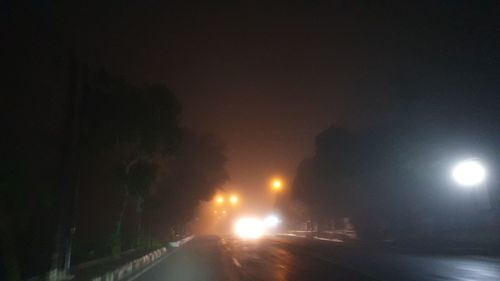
pixel 276 184
pixel 234 199
pixel 219 200
pixel 469 173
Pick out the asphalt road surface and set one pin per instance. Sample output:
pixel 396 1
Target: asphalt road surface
pixel 281 258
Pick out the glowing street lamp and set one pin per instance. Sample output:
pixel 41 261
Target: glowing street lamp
pixel 276 185
pixel 219 200
pixel 234 200
pixel 469 173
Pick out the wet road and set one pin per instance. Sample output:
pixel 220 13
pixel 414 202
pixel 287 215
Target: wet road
pixel 278 258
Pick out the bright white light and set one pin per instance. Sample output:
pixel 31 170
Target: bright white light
pixel 249 228
pixel 272 221
pixel 469 173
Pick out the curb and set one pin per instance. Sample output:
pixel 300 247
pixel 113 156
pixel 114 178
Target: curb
pixel 140 265
pixel 181 242
pixel 127 269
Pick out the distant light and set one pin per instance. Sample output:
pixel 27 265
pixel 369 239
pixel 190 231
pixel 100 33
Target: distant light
pixel 272 221
pixel 469 173
pixel 249 228
pixel 276 184
pixel 224 212
pixel 219 199
pixel 233 199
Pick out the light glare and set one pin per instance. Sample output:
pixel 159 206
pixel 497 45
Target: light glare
pixel 469 173
pixel 233 199
pixel 272 221
pixel 219 199
pixel 249 228
pixel 276 184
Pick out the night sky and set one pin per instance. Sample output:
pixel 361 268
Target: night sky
pixel 267 78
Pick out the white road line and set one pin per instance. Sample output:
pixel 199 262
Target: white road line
pixel 235 261
pixel 327 239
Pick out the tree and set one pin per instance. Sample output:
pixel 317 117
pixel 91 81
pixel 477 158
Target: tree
pixel 138 124
pixel 193 173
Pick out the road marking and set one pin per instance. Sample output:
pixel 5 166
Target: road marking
pixel 235 261
pixel 327 239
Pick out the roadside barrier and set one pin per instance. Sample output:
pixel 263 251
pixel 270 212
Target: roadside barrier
pixel 130 267
pixel 127 270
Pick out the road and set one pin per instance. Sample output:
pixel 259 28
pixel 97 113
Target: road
pixel 279 258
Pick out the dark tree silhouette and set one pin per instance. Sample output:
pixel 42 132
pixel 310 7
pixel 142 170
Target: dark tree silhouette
pixel 139 124
pixel 192 174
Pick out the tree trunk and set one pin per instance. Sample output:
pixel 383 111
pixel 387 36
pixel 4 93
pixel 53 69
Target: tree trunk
pixel 139 223
pixel 117 236
pixel 140 212
pixel 8 250
pixel 139 231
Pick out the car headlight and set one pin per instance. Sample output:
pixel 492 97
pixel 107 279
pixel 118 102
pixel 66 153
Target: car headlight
pixel 249 228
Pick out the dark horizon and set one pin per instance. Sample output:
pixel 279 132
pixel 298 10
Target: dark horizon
pixel 268 78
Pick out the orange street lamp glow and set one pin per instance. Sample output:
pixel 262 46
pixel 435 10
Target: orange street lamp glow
pixel 234 199
pixel 219 200
pixel 277 184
